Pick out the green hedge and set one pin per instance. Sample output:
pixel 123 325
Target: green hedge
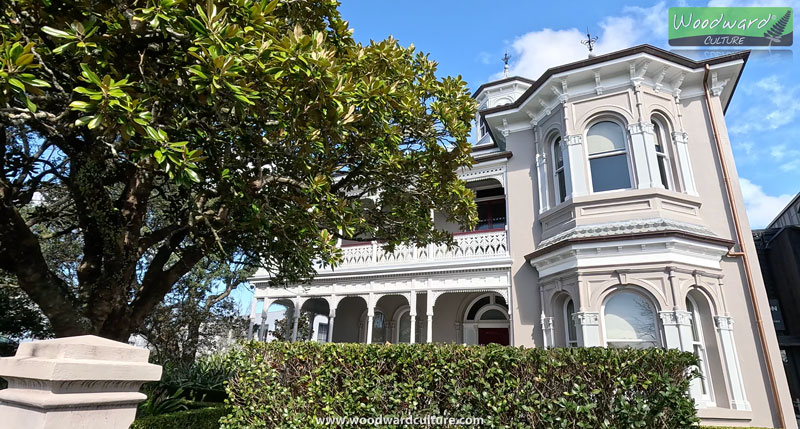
pixel 281 384
pixel 200 418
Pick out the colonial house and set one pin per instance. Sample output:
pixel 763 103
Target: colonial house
pixel 610 215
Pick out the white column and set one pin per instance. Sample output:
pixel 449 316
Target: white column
pixel 296 317
pixel 677 329
pixel 548 332
pixel 429 339
pixel 412 314
pixel 370 316
pixel 588 324
pixel 643 154
pixel 681 140
pixel 544 193
pixel 252 323
pixel 431 301
pixel 577 184
pixel 737 391
pixel 331 318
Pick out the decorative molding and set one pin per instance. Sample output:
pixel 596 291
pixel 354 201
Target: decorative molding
pixel 575 139
pixel 585 318
pixel 677 317
pixel 640 128
pixel 660 78
pixel 724 323
pixel 598 87
pixel 680 137
pixel 717 85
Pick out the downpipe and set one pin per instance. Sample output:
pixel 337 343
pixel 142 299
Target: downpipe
pixel 741 253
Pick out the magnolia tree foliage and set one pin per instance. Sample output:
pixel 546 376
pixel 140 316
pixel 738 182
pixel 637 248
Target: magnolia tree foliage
pixel 155 133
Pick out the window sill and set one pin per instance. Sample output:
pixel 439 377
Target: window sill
pixel 717 413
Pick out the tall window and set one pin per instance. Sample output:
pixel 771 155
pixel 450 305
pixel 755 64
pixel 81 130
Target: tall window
pixel 699 348
pixel 558 171
pixel 404 328
pixel 483 128
pixel 378 328
pixel 491 208
pixel 630 321
pixel 569 324
pixel 322 333
pixel 608 157
pixel 662 155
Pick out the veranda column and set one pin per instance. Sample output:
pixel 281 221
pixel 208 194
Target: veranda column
pixel 252 323
pixel 576 160
pixel 296 315
pixel 431 301
pixel 370 316
pixel 588 326
pixel 725 331
pixel 412 314
pixel 331 317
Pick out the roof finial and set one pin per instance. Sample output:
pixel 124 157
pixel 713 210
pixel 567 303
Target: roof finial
pixel 589 42
pixel 505 61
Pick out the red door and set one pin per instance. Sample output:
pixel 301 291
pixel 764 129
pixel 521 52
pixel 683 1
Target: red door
pixel 493 335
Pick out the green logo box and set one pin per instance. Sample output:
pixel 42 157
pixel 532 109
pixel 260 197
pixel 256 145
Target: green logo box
pixel 730 26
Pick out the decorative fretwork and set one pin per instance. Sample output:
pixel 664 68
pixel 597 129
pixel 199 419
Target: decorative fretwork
pixel 469 245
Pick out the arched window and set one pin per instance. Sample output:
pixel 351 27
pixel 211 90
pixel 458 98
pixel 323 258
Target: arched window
pixel 404 327
pixel 662 155
pixel 486 321
pixel 378 328
pixel 569 324
pixel 630 320
pixel 559 178
pixel 608 157
pixel 699 347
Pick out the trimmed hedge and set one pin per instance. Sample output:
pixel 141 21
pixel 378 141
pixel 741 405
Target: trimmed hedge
pixel 282 384
pixel 199 418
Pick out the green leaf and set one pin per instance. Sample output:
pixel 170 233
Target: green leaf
pixel 57 33
pixel 90 75
pixel 17 83
pixel 95 122
pixel 197 25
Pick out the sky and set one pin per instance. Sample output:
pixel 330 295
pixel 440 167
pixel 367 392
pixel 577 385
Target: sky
pixel 469 38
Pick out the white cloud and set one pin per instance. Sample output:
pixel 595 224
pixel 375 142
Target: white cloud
pixel 773 106
pixel 539 50
pixel 756 3
pixel 761 208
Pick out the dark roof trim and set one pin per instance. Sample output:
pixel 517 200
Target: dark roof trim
pixel 785 208
pixel 500 82
pixel 492 156
pixel 484 146
pixel 641 49
pixel 683 234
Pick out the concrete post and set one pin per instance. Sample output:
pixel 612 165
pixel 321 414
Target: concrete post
pixel 83 382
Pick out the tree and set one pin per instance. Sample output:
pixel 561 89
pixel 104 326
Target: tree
pixel 285 326
pixel 19 317
pixel 199 314
pixel 256 129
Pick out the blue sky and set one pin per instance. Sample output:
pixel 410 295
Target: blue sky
pixel 469 38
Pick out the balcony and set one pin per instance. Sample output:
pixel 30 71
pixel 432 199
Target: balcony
pixel 470 248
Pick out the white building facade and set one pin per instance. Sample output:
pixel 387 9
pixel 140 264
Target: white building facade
pixel 610 215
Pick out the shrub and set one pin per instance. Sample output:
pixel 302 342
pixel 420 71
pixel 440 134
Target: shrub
pixel 201 418
pixel 201 380
pixel 281 384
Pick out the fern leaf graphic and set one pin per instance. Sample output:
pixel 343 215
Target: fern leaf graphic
pixel 776 31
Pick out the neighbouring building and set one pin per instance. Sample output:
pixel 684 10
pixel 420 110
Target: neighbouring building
pixel 605 220
pixel 778 248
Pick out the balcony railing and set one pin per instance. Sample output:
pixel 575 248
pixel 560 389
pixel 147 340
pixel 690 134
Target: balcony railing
pixel 475 244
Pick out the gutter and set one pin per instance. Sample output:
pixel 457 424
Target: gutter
pixel 742 254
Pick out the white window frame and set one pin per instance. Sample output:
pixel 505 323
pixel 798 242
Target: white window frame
pixel 656 323
pixel 700 350
pixel 558 141
pixel 568 321
pixel 627 151
pixel 663 158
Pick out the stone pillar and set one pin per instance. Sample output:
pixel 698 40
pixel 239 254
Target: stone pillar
pixel 296 322
pixel 252 323
pixel 737 392
pixel 588 324
pixel 431 302
pixel 263 329
pixel 429 339
pixel 370 316
pixel 645 160
pixel 83 382
pixel 412 315
pixel 681 140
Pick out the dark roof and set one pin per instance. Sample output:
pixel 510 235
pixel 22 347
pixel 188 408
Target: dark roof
pixel 484 146
pixel 500 82
pixel 641 49
pixel 796 197
pixel 494 155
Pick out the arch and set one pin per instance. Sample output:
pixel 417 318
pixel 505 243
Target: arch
pixel 609 152
pixel 614 285
pixel 379 330
pixel 709 297
pixel 629 318
pixel 486 317
pixel 502 101
pixel 399 319
pixel 665 150
pixel 604 112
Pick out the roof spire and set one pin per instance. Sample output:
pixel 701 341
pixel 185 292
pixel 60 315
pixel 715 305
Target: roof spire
pixel 589 42
pixel 505 61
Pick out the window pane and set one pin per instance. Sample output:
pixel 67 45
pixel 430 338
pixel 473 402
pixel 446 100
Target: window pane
pixel 498 208
pixel 572 333
pixel 483 217
pixel 404 329
pixel 378 329
pixel 610 172
pixel 562 186
pixel 477 306
pixel 659 137
pixel 662 169
pixel 493 315
pixel 493 192
pixel 559 156
pixel 322 333
pixel 605 137
pixel 630 318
